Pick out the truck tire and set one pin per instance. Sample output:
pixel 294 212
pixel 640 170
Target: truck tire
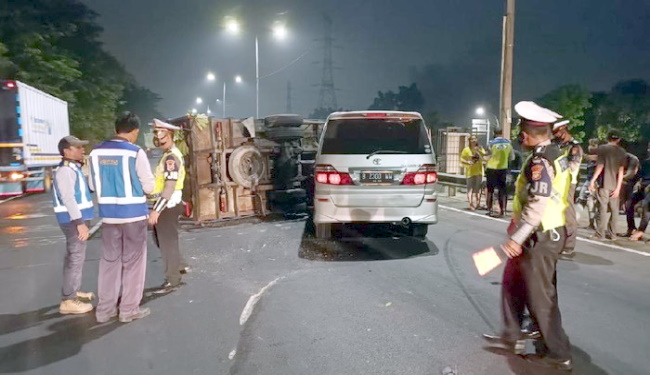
pixel 323 231
pixel 288 196
pixel 246 166
pixel 288 120
pixel 279 134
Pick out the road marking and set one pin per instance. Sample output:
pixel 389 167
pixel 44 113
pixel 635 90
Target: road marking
pixel 9 199
pixel 593 242
pixel 248 309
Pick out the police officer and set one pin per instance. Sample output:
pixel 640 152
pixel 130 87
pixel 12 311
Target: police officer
pixel 169 176
pixel 73 207
pixel 572 150
pixel 537 236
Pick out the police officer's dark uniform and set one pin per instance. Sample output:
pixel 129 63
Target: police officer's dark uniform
pixel 169 178
pixel 538 231
pixel 574 153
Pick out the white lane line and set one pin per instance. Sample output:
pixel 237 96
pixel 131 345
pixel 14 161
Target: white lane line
pixel 94 228
pixel 10 199
pixel 250 305
pixel 611 246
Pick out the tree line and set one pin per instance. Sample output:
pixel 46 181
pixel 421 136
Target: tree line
pixel 625 107
pixel 54 45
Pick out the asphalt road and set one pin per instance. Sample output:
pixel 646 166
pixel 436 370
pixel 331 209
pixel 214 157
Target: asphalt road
pixel 267 298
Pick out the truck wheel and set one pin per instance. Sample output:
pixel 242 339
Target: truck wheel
pixel 289 120
pixel 419 231
pixel 246 165
pixel 279 134
pixel 323 231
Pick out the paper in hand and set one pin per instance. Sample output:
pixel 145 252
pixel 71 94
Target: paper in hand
pixel 486 260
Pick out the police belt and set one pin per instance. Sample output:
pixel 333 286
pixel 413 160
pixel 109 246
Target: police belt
pixel 548 235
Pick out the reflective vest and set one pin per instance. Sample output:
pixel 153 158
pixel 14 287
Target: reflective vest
pixel 117 186
pixel 555 212
pixel 500 149
pixel 566 150
pixel 159 174
pixel 81 196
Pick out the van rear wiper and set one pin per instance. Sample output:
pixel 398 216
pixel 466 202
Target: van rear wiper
pixel 384 152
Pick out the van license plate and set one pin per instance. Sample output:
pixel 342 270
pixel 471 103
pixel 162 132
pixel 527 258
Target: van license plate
pixel 376 177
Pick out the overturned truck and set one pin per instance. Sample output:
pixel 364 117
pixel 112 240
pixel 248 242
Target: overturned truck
pixel 240 168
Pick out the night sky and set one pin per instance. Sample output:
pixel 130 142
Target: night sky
pixel 450 48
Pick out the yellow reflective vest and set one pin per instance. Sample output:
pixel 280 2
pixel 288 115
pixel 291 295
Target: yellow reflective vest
pixel 555 213
pixel 160 172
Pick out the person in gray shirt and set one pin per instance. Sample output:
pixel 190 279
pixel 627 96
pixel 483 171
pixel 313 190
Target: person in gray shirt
pixel 73 207
pixel 607 183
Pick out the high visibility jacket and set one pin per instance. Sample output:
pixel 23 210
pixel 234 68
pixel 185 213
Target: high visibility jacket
pixel 162 174
pixel 501 151
pixel 554 213
pixel 119 192
pixel 81 196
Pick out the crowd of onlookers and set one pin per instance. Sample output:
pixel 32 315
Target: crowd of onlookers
pixel 614 181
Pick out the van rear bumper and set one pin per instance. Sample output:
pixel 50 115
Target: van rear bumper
pixel 326 212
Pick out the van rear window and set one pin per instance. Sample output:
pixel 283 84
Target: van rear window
pixel 364 136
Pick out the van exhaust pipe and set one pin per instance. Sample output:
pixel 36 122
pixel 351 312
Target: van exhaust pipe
pixel 406 222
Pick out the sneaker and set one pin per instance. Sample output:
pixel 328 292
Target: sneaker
pixel 516 347
pixel 74 306
pixel 186 269
pixel 139 314
pixel 88 296
pixel 165 288
pixel 104 319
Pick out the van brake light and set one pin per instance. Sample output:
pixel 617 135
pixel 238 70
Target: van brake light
pixel 326 174
pixel 427 174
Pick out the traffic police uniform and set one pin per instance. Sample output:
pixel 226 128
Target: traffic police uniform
pixel 169 179
pixel 538 224
pixel 574 153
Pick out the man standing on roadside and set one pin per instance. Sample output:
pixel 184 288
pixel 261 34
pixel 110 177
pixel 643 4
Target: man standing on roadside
pixel 500 154
pixel 606 183
pixel 121 176
pixel 73 207
pixel 571 148
pixel 169 178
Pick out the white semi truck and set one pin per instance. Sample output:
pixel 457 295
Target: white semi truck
pixel 31 124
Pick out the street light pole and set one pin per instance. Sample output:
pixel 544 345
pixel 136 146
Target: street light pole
pixel 224 99
pixel 506 68
pixel 257 79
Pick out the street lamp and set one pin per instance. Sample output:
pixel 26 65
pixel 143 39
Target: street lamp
pixel 279 32
pixel 199 100
pixel 480 111
pixel 211 77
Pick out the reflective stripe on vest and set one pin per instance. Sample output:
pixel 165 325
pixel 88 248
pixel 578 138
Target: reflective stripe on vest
pixel 117 186
pixel 160 172
pixel 81 196
pixel 554 214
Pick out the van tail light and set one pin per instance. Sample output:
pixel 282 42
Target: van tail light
pixel 427 174
pixel 326 174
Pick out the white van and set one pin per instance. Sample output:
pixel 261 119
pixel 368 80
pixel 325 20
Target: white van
pixel 375 167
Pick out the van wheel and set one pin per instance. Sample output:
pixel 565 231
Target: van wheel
pixel 419 231
pixel 323 231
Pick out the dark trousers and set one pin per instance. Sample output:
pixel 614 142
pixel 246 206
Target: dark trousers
pixel 75 256
pixel 496 180
pixel 123 264
pixel 631 201
pixel 166 235
pixel 571 221
pixel 529 281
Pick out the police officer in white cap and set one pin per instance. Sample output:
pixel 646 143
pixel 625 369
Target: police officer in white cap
pixel 169 178
pixel 571 148
pixel 537 235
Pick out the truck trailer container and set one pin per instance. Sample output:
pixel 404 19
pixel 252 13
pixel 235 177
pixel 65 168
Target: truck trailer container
pixel 31 124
